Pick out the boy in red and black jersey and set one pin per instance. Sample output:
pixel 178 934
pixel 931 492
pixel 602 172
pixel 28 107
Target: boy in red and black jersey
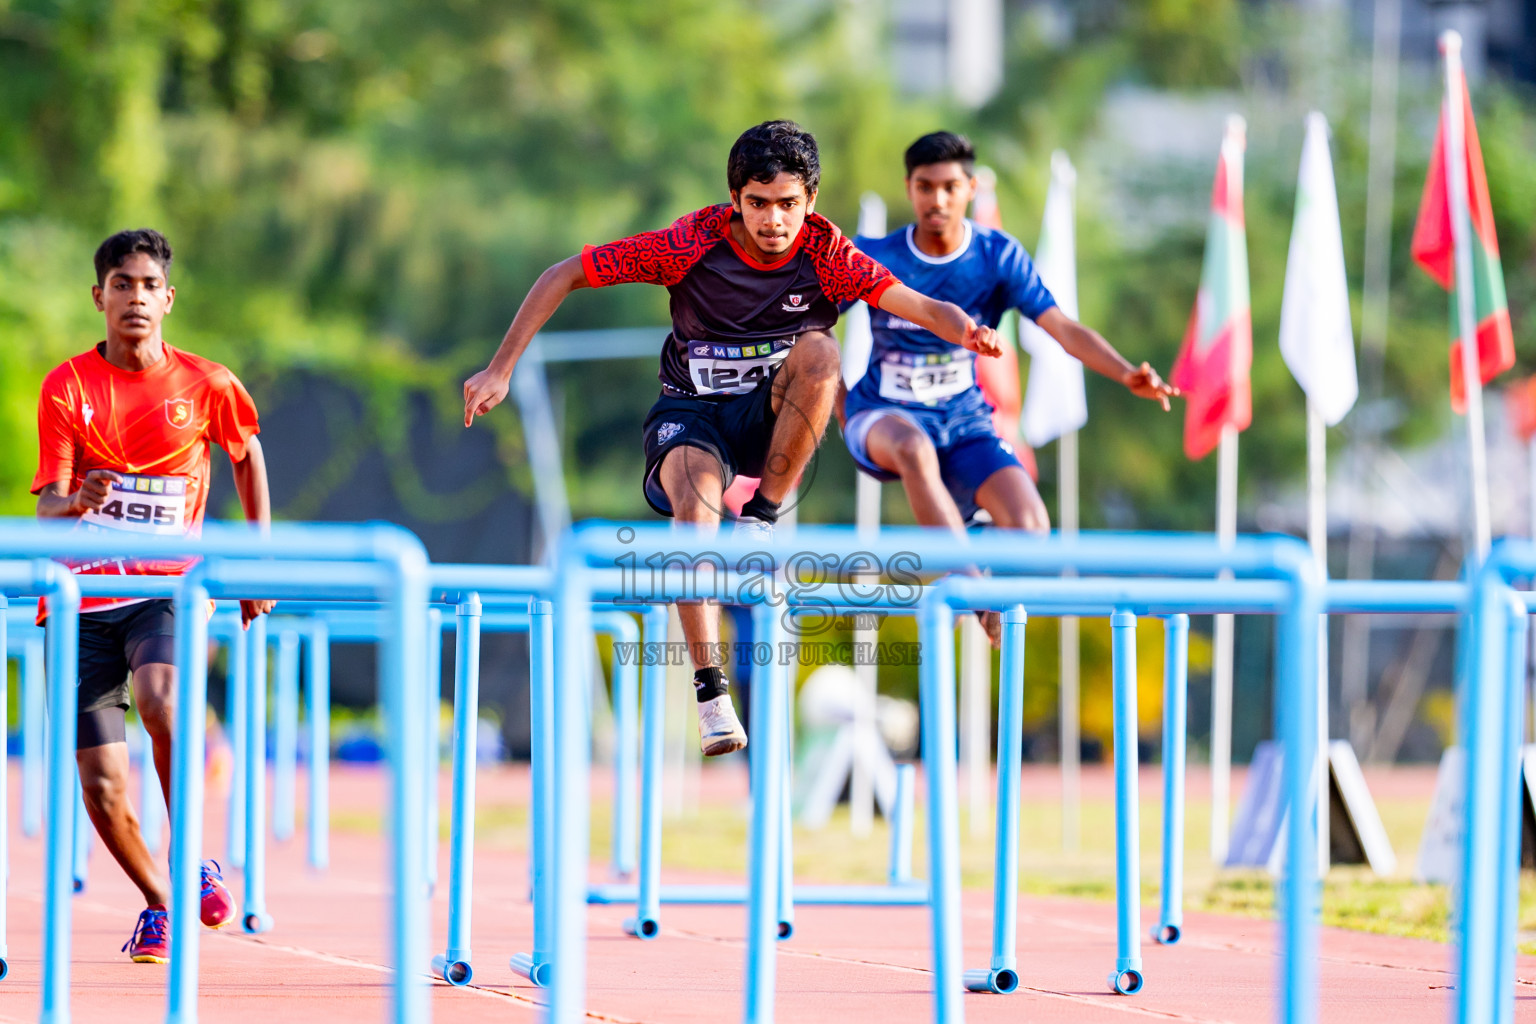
pixel 124 430
pixel 750 371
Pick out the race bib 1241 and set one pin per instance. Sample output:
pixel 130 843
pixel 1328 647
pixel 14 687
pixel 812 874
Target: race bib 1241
pixel 143 504
pixel 716 368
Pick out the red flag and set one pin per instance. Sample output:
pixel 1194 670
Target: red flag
pixel 1434 250
pixel 1212 368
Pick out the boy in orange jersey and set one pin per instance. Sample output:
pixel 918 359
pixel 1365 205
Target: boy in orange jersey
pixel 125 429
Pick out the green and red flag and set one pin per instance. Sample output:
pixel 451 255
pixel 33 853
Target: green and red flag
pixel 1213 364
pixel 1435 251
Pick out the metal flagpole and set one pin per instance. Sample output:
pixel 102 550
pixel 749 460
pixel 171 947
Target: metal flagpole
pixel 1317 536
pixel 1354 682
pixel 1069 698
pixel 1221 666
pixel 1466 310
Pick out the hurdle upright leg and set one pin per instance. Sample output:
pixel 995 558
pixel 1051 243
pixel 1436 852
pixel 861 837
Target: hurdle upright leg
pixel 535 966
pixel 936 683
pixel 432 697
pixel 63 642
pixel 81 863
pixel 1002 974
pixel 786 817
pixel 454 965
pixel 318 679
pixel 1170 919
pixel 568 846
pixel 1126 978
pixel 766 753
pixel 626 729
pixel 1517 631
pixel 646 924
pixel 33 715
pixel 285 738
pixel 238 667
pixel 187 781
pixel 254 917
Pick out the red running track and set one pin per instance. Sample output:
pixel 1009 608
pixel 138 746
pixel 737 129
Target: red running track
pixel 323 963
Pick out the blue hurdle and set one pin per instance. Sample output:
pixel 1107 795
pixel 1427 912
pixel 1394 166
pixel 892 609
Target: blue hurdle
pixel 379 563
pixel 589 548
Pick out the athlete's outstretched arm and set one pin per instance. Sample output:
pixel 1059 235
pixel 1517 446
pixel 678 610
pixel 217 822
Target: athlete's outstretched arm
pixel 945 319
pixel 54 502
pixel 256 500
pixel 485 390
pixel 1089 348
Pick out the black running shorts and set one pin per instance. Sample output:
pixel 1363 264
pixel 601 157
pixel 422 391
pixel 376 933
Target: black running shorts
pixel 736 430
pixel 114 643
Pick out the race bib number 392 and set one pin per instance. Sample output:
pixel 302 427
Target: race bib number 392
pixel 717 369
pixel 143 504
pixel 929 379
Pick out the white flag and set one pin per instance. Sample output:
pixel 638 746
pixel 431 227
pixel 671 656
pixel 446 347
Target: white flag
pixel 1055 401
pixel 857 339
pixel 1316 338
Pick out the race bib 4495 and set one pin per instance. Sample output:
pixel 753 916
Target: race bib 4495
pixel 143 504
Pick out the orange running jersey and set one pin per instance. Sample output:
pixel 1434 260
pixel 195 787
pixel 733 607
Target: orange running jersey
pixel 153 426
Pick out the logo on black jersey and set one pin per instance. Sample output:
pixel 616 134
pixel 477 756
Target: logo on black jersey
pixel 667 431
pixel 796 303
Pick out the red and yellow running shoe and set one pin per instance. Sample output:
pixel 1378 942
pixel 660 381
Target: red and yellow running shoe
pixel 150 943
pixel 218 906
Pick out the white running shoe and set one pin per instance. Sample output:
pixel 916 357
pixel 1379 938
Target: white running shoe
pixel 720 731
pixel 753 530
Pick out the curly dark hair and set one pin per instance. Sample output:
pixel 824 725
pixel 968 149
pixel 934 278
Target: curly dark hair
pixel 774 147
pixel 111 253
pixel 941 148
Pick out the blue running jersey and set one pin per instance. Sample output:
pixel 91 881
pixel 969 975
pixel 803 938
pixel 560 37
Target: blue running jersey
pixel 987 276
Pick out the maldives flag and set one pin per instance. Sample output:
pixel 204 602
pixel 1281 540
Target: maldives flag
pixel 998 376
pixel 1435 251
pixel 1212 368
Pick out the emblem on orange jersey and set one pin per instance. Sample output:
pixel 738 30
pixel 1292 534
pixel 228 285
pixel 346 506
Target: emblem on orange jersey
pixel 178 412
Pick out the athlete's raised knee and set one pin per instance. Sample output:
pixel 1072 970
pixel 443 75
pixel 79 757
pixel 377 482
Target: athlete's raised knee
pixel 914 453
pixel 817 358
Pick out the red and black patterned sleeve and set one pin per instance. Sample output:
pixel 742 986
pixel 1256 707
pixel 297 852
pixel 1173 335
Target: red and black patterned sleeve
pixel 657 257
pixel 846 274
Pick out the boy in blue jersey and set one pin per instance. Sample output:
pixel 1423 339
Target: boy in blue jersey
pixel 917 415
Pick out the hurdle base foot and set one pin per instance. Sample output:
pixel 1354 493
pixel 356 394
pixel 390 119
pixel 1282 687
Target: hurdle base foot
pixel 996 980
pixel 256 922
pixel 1126 982
pixel 453 968
pixel 536 971
pixel 1167 934
pixel 642 927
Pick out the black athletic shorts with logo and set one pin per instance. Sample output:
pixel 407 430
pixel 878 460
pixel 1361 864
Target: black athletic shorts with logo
pixel 735 429
pixel 114 643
